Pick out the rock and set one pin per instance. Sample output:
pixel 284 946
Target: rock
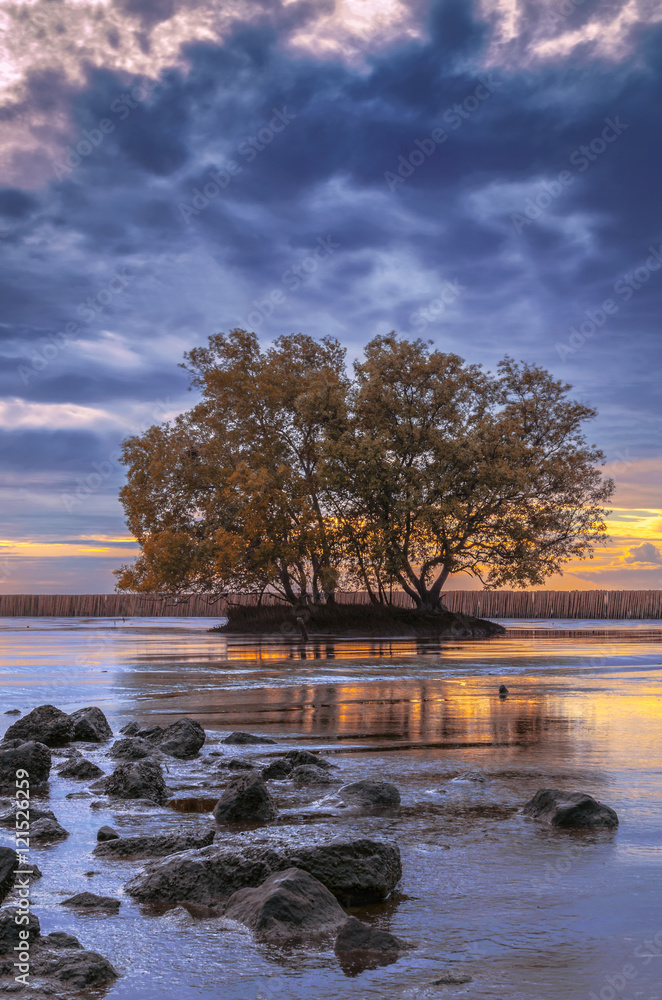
pixel 77 968
pixel 204 876
pixel 131 729
pixel 370 796
pixel 60 939
pixel 355 871
pixel 307 775
pixel 235 764
pixel 305 758
pixel 35 758
pixel 8 866
pixel 503 691
pixel 105 833
pixel 243 738
pixel 79 795
pixel 81 770
pixel 132 748
pixel 289 905
pixel 479 777
pixel 9 818
pixel 452 979
pixel 153 847
pixel 278 770
pixel 359 946
pixel 13 711
pixel 9 929
pixel 47 829
pixel 91 725
pixel 142 779
pixel 246 800
pixel 182 739
pixel 570 810
pixel 90 901
pixel 45 724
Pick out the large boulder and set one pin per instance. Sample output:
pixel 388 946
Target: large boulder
pixel 8 866
pixel 370 796
pixel 9 818
pixel 246 801
pixel 35 758
pixel 205 876
pixel 91 725
pixel 278 770
pixel 47 830
pixel 152 847
pixel 359 946
pixel 289 905
pixel 131 748
pixel 570 810
pixel 73 967
pixel 80 770
pixel 45 724
pixel 305 774
pixel 242 739
pixel 142 779
pixel 355 871
pixel 183 739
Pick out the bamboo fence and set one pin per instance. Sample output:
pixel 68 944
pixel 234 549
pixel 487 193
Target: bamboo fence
pixel 614 604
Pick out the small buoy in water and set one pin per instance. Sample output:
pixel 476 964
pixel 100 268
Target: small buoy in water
pixel 503 691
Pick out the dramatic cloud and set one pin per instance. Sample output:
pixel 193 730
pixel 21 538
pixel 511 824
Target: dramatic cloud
pixel 646 553
pixel 338 168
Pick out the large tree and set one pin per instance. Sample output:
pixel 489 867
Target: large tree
pixel 228 497
pixel 290 476
pixel 446 469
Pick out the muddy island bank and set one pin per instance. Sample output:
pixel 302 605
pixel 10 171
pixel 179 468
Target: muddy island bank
pixel 354 621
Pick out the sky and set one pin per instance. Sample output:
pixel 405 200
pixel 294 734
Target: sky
pixel 485 175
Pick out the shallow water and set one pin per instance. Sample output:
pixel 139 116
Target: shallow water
pixel 528 913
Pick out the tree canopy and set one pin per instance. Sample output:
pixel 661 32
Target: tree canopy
pixel 290 475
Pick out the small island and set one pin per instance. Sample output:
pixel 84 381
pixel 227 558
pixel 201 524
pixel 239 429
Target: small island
pixel 292 479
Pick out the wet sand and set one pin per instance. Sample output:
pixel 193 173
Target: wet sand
pixel 525 911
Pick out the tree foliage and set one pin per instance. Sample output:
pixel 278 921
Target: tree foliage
pixel 290 475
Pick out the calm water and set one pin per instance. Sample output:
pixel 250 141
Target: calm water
pixel 527 912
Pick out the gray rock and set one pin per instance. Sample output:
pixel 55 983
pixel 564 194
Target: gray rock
pixel 246 800
pixel 204 876
pixel 183 739
pixel 45 724
pixel 359 946
pixel 76 968
pixel 131 729
pixel 9 929
pixel 47 829
pixel 353 871
pixel 141 779
pixel 503 691
pixel 91 725
pixel 13 711
pixel 153 847
pixel 60 939
pixel 9 818
pixel 236 764
pixel 278 770
pixel 90 901
pixel 131 748
pixel 8 866
pixel 570 810
pixel 105 833
pixel 290 905
pixel 370 796
pixel 305 774
pixel 452 979
pixel 244 738
pixel 35 758
pixel 80 770
pixel 301 758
